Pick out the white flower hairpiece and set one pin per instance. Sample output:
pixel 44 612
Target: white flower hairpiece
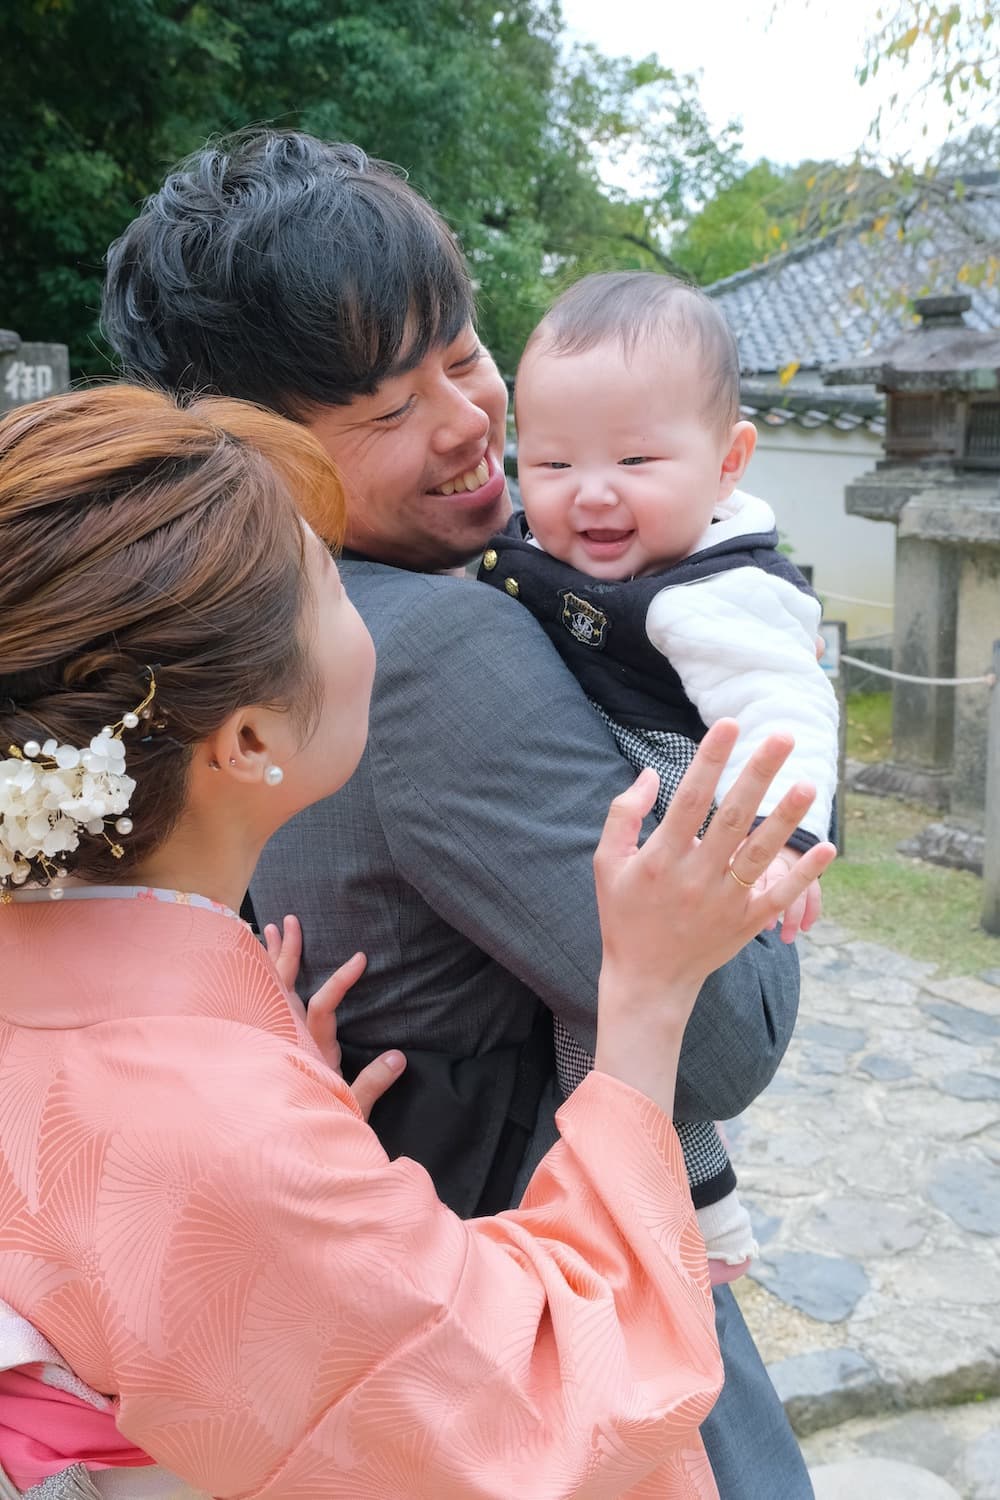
pixel 51 793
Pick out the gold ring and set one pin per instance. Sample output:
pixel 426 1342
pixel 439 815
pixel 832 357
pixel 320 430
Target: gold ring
pixel 747 885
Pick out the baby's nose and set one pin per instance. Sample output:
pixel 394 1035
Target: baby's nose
pixel 597 490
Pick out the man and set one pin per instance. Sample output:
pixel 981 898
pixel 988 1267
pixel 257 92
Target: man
pixel 307 278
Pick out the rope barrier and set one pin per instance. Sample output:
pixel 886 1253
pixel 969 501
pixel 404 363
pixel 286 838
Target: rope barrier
pixel 988 679
pixel 851 599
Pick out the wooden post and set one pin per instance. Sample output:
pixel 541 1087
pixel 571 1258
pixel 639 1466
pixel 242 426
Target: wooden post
pixel 991 826
pixel 834 633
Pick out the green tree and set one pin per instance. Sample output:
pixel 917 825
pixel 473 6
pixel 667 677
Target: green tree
pixel 770 209
pixel 474 98
pixel 748 220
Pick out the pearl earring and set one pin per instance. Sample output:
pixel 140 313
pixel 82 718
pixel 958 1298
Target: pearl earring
pixel 274 775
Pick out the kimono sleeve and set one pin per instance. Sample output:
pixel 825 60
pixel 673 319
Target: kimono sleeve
pixel 333 1331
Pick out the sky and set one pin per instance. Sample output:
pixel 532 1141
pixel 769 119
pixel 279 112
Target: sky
pixel 785 68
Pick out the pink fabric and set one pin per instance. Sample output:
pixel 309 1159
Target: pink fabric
pixel 195 1215
pixel 44 1430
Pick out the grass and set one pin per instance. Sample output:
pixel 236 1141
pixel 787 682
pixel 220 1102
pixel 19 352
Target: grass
pixel 869 726
pixel 917 908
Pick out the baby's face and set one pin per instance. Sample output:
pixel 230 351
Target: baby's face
pixel 618 465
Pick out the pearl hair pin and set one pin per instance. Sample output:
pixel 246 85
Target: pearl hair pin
pixel 53 793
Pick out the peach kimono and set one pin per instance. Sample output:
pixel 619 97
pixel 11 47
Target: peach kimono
pixel 194 1214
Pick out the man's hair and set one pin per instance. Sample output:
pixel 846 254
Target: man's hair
pixel 285 270
pixel 633 307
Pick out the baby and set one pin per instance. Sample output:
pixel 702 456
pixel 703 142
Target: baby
pixel 661 585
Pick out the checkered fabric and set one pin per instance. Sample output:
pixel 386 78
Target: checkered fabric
pixel 704 1154
pixel 669 755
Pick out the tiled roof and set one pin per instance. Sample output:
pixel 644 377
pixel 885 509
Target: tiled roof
pixel 807 402
pixel 840 297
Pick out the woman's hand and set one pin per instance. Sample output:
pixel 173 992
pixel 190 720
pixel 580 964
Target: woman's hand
pixel 285 951
pixel 680 907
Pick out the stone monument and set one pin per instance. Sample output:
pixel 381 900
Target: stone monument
pixel 30 371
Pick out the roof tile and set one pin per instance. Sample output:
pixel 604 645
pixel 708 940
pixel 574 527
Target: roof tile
pixel 843 296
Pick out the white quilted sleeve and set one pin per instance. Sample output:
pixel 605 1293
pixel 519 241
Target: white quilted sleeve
pixel 743 644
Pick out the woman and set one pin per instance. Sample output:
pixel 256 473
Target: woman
pixel 195 1215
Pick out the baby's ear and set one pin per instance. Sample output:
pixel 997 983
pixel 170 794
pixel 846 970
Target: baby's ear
pixel 742 442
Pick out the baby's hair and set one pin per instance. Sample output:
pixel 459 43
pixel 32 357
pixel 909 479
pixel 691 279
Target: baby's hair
pixel 634 306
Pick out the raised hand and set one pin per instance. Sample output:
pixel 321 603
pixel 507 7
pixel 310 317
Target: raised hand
pixel 679 907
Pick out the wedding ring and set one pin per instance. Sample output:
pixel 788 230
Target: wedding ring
pixel 747 885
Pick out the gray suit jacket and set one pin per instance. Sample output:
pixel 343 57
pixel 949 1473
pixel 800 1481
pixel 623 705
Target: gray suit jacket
pixel 459 859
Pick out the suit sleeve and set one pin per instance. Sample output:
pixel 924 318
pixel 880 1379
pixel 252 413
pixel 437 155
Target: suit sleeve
pixel 743 644
pixel 493 777
pixel 330 1330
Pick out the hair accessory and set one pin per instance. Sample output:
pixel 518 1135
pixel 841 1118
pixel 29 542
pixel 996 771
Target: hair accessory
pixel 51 793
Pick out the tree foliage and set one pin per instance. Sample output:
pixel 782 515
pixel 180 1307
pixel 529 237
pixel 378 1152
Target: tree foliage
pixel 748 220
pixel 769 209
pixel 952 50
pixel 478 100
pixel 955 48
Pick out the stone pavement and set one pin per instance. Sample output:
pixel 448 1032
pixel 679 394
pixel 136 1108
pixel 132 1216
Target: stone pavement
pixel 871 1167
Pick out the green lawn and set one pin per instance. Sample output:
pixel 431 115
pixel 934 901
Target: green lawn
pixel 918 908
pixel 869 726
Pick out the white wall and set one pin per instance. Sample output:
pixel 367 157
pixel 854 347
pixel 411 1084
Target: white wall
pixel 801 473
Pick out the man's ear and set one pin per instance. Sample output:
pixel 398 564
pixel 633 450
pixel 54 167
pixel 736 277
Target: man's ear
pixel 742 442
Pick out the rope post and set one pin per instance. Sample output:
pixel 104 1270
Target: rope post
pixel 991 827
pixel 834 633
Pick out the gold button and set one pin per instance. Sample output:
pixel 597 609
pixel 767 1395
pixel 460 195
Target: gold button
pixel 489 559
pixel 512 587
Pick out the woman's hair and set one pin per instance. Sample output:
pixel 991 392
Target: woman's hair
pixel 137 534
pixel 284 270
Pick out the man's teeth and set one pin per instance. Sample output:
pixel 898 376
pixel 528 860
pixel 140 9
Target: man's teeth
pixel 473 480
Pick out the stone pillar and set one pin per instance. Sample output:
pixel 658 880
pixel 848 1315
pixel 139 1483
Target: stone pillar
pixel 978 627
pixel 960 529
pixel 925 596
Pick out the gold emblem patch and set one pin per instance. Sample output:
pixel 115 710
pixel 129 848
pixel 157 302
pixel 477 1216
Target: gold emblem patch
pixel 584 621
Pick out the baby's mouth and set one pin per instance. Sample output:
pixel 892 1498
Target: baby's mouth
pixel 473 479
pixel 603 535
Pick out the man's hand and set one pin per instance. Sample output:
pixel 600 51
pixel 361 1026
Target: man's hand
pixel 285 952
pixel 806 909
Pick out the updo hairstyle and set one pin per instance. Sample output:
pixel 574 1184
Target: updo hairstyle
pixel 136 534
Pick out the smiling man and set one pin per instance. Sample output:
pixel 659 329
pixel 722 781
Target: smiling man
pixel 312 280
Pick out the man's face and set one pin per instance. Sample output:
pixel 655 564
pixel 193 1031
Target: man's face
pixel 422 459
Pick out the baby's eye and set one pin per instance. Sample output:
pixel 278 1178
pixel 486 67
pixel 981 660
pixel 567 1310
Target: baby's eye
pixel 639 459
pixel 555 463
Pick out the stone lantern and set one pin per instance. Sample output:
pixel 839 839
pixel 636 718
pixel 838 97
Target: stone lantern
pixel 939 483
